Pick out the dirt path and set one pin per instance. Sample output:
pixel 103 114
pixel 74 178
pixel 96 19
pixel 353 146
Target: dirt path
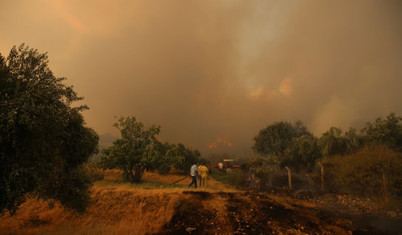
pixel 254 213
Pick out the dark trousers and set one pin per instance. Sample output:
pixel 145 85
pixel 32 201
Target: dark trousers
pixel 193 181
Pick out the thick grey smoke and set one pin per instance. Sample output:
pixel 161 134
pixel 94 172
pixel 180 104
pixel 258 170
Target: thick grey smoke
pixel 212 73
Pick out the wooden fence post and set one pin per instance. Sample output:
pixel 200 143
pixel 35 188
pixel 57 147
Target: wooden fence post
pixel 384 189
pixel 322 176
pixel 289 177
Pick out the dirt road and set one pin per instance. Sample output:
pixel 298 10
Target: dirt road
pixel 256 213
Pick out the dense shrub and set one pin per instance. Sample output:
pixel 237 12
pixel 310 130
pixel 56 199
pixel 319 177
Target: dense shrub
pixel 164 169
pixel 94 173
pixel 237 178
pixel 374 172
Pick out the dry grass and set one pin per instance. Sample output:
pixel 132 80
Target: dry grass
pixel 112 211
pixel 115 208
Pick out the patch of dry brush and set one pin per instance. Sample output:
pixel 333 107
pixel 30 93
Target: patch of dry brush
pixel 112 211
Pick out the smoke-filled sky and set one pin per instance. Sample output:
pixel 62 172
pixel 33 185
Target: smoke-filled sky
pixel 213 73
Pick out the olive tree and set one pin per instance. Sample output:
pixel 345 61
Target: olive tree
pixel 303 153
pixel 386 131
pixel 175 156
pixel 332 142
pixel 43 139
pixel 275 139
pixel 184 157
pixel 135 151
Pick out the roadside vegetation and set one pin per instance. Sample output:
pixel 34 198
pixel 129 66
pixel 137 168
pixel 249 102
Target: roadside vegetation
pixel 374 172
pixel 365 164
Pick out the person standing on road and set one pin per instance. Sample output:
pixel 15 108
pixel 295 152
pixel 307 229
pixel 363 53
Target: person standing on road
pixel 203 171
pixel 193 174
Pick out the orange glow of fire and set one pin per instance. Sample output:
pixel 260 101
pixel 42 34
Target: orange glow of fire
pixel 220 142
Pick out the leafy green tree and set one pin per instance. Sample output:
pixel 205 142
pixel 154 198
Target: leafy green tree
pixel 183 158
pixel 205 161
pixel 354 141
pixel 163 161
pixel 135 151
pixel 332 142
pixel 387 132
pixel 43 139
pixel 276 138
pixel 302 153
pixel 170 156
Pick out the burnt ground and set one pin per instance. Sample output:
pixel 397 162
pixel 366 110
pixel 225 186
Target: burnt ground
pixel 257 213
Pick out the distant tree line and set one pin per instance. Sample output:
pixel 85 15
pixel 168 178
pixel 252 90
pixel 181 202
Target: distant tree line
pixel 376 148
pixel 293 145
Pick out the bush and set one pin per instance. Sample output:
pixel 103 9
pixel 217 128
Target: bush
pixel 374 172
pixel 237 178
pixel 233 177
pixel 94 173
pixel 164 169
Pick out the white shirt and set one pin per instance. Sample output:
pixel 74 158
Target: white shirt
pixel 193 170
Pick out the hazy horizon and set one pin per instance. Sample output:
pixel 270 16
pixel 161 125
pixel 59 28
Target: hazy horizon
pixel 213 73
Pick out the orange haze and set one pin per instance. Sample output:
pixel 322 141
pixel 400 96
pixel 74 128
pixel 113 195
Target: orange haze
pixel 202 69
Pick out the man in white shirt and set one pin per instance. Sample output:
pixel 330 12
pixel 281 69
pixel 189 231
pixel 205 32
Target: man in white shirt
pixel 193 174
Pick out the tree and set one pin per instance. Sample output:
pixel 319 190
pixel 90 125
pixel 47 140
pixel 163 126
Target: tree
pixel 135 151
pixel 183 158
pixel 43 139
pixel 281 143
pixel 168 156
pixel 302 153
pixel 387 132
pixel 354 141
pixel 164 161
pixel 276 138
pixel 332 142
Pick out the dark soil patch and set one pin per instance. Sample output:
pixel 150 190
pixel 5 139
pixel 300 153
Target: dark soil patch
pixel 191 217
pixel 246 218
pixel 256 213
pixel 199 194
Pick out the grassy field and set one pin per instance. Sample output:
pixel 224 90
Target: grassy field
pixel 116 207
